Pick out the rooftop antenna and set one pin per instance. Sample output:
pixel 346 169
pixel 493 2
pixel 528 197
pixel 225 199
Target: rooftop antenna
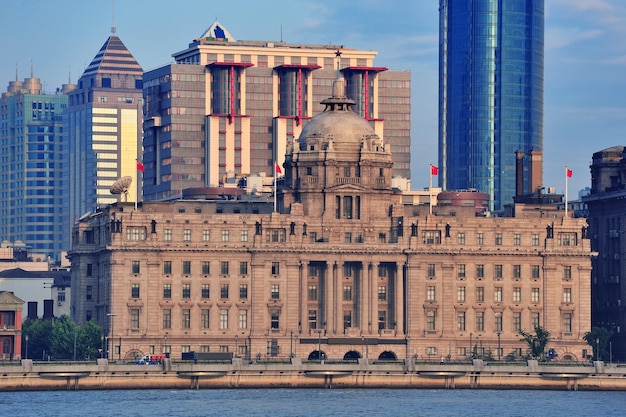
pixel 113 18
pixel 281 33
pixel 120 187
pixel 16 72
pixel 338 55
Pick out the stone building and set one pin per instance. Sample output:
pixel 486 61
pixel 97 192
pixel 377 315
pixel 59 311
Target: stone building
pixel 342 269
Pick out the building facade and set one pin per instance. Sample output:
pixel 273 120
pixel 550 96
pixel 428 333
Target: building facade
pixel 343 269
pixel 31 143
pixel 10 326
pixel 607 226
pixel 491 59
pixel 102 132
pixel 229 107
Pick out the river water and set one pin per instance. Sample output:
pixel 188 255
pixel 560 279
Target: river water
pixel 313 402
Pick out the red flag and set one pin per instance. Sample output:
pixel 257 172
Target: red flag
pixel 278 170
pixel 434 170
pixel 140 167
pixel 568 172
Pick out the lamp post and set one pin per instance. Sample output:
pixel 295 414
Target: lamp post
pixel 498 346
pixel 26 337
pixel 111 337
pixel 75 333
pixel 598 349
pixel 102 346
pixel 236 344
pixel 319 344
pixel 470 346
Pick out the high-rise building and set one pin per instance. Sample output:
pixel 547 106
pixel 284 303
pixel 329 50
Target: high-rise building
pixel 103 129
pixel 228 108
pixel 490 94
pixel 31 140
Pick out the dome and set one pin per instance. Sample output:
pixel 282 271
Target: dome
pixel 337 127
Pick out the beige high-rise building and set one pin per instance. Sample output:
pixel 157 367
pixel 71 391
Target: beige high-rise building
pixel 341 269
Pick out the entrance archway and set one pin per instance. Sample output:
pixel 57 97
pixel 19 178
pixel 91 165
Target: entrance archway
pixel 352 355
pixel 387 356
pixel 317 355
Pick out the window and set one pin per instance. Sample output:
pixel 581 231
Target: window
pixel 480 321
pixel 206 291
pixel 274 315
pixel 186 318
pixel 567 272
pixel 460 294
pixel 535 239
pixel 497 323
pixel 205 317
pixel 224 267
pixel 497 294
pixel 480 294
pixel 276 235
pixel 312 292
pixel 567 239
pixel 134 291
pixel 480 271
pixel 347 237
pixel 497 271
pixel 89 270
pixel 243 319
pixel 167 267
pixel 206 235
pixel 312 319
pixel 60 296
pixel 275 292
pixel 534 316
pixel 534 295
pixel 431 270
pixel 460 268
pixel 187 235
pixel 167 290
pixel 89 292
pixel 136 233
pixel 186 267
pixel 460 321
pixel 480 239
pixel 244 236
pixel 460 238
pixel 243 268
pixel 431 350
pixel 498 239
pixel 135 267
pixel 567 295
pixel 167 235
pixel 243 291
pixel 567 322
pixel 186 291
pixel 430 321
pixel 517 271
pixel 430 237
pixel 275 268
pixel 167 318
pixel 224 291
pixel 382 319
pixel 517 239
pixel 134 318
pixel 347 292
pixel 517 294
pixel 430 293
pixel 517 321
pixel 223 319
pixel 534 271
pixel 347 319
pixel 206 268
pixel 225 235
pixel 346 171
pixel 312 237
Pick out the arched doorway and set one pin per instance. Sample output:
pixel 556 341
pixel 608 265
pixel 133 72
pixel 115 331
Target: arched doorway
pixel 387 356
pixel 352 355
pixel 317 355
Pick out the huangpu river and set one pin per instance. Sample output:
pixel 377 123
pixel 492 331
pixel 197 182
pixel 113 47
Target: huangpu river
pixel 313 402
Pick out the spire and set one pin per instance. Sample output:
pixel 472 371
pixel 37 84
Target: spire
pixel 16 76
pixel 113 18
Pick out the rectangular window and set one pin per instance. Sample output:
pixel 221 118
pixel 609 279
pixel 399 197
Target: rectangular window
pixel 89 270
pixel 243 268
pixel 167 267
pixel 167 290
pixel 206 291
pixel 430 321
pixel 167 318
pixel 186 267
pixel 567 272
pixel 205 317
pixel 430 237
pixel 497 271
pixel 460 238
pixel 274 319
pixel 206 268
pixel 382 319
pixel 223 319
pixel 567 295
pixel 517 294
pixel 275 268
pixel 134 291
pixel 312 319
pixel 431 270
pixel 480 294
pixel 224 267
pixel 534 295
pixel 497 294
pixel 167 235
pixel 206 235
pixel 498 239
pixel 382 293
pixel 535 239
pixel 224 291
pixel 243 291
pixel 430 293
pixel 347 292
pixel 312 292
pixel 567 322
pixel 243 319
pixel 275 292
pixel 497 323
pixel 517 271
pixel 244 236
pixel 460 294
pixel 517 321
pixel 534 316
pixel 480 271
pixel 225 235
pixel 186 291
pixel 134 318
pixel 460 268
pixel 135 267
pixel 347 319
pixel 480 239
pixel 187 235
pixel 460 321
pixel 186 318
pixel 480 321
pixel 347 237
pixel 534 271
pixel 517 239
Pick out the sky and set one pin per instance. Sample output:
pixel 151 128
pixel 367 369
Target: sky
pixel 585 56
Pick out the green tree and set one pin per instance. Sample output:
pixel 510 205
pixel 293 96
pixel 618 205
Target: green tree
pixel 64 333
pixel 598 339
pixel 39 333
pixel 536 342
pixel 90 340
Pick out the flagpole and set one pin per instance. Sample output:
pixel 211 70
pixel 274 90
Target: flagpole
pixel 430 189
pixel 274 186
pixel 566 178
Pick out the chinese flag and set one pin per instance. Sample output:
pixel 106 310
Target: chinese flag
pixel 140 167
pixel 434 170
pixel 278 170
pixel 568 172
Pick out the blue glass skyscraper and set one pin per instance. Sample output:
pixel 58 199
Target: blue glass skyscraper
pixel 490 94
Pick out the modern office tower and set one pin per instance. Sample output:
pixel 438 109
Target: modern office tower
pixel 490 94
pixel 607 232
pixel 227 108
pixel 31 139
pixel 102 132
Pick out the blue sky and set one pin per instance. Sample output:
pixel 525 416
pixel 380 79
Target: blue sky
pixel 585 56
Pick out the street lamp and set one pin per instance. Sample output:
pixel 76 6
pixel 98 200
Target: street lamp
pixel 598 349
pixel 75 333
pixel 26 337
pixel 111 337
pixel 498 346
pixel 319 344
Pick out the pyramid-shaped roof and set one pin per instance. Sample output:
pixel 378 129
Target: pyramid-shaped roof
pixel 218 31
pixel 114 58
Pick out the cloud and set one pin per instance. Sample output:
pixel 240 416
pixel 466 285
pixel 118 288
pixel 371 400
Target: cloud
pixel 561 37
pixel 586 5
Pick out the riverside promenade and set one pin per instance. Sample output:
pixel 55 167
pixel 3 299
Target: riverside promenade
pixel 237 373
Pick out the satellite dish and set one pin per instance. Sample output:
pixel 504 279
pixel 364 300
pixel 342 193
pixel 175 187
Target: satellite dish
pixel 121 186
